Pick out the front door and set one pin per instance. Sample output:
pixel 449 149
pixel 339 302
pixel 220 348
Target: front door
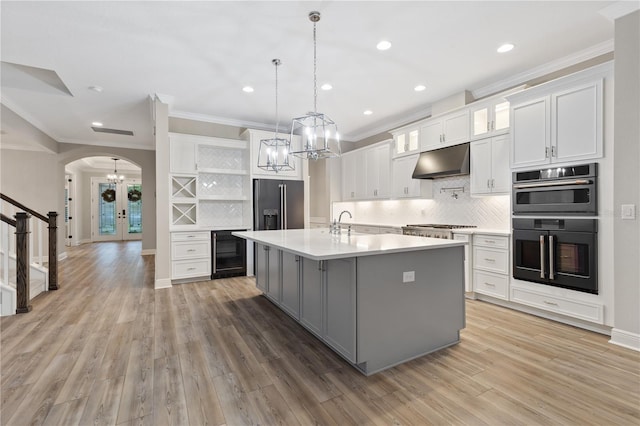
pixel 116 210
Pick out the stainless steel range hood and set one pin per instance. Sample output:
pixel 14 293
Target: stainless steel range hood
pixel 443 162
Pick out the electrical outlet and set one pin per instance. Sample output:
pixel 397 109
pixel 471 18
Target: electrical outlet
pixel 408 276
pixel 628 211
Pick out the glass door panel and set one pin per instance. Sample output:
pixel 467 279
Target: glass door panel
pixel 501 114
pixel 116 210
pixel 132 213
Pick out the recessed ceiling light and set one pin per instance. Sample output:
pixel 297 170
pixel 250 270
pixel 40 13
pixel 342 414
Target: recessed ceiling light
pixel 383 45
pixel 247 89
pixel 96 123
pixel 368 112
pixel 420 88
pixel 326 86
pixel 96 88
pixel 505 48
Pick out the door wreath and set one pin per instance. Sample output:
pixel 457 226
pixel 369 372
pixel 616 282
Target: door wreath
pixel 109 195
pixel 134 195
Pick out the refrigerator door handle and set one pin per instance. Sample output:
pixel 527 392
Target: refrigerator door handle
pixel 281 187
pixel 542 253
pixel 552 272
pixel 284 211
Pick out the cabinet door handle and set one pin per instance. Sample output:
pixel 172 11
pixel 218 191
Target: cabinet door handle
pixel 550 303
pixel 444 137
pixel 488 126
pixel 488 183
pixel 493 183
pixel 493 125
pixel 546 152
pixel 554 153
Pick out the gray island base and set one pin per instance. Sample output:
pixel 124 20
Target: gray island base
pixel 376 300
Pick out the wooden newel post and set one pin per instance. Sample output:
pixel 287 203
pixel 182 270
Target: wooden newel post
pixel 22 263
pixel 53 250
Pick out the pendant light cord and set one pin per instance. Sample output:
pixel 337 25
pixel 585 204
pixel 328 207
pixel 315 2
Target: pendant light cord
pixel 276 62
pixel 315 80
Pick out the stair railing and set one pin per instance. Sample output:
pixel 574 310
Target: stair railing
pixel 23 281
pixel 51 221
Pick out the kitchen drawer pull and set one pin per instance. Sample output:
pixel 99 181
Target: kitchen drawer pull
pixel 489 259
pixel 191 236
pixel 191 269
pixel 489 284
pixel 490 241
pixel 191 250
pixel 550 303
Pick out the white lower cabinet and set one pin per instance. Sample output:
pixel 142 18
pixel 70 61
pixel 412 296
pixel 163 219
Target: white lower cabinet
pixel 491 265
pixel 190 255
pixel 587 311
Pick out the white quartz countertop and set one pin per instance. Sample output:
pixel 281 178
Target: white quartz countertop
pixel 320 244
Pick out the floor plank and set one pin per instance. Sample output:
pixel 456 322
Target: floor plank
pixel 108 349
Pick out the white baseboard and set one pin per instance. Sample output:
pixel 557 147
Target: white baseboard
pixel 80 242
pixel 162 283
pixel 625 339
pixel 148 252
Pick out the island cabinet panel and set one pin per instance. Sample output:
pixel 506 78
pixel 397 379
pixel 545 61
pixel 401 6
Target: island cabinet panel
pixel 261 268
pixel 411 318
pixel 274 282
pixel 312 301
pixel 290 297
pixel 340 313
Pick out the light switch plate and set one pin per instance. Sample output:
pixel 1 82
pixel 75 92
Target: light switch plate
pixel 408 276
pixel 628 211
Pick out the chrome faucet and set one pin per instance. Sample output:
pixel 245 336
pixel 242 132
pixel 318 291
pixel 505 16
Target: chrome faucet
pixel 337 227
pixel 343 212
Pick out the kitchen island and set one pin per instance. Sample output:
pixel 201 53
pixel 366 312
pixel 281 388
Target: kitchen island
pixel 377 300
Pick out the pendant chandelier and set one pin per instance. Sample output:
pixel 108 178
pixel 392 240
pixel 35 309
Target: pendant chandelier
pixel 318 133
pixel 275 153
pixel 115 177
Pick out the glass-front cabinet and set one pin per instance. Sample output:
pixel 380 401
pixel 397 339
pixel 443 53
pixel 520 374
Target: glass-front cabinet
pixel 489 119
pixel 406 141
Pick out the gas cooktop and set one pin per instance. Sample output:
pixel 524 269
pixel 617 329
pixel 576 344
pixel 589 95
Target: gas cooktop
pixel 440 226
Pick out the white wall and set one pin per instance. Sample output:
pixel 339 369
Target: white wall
pixel 627 180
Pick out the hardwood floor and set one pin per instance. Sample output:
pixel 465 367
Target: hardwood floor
pixel 109 349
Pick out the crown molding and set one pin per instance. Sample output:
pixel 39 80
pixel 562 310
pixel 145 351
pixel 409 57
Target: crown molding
pixel 619 9
pixel 400 120
pixel 26 147
pixel 544 69
pixel 126 145
pixel 221 120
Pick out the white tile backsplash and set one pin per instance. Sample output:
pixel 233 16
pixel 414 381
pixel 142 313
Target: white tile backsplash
pixel 486 212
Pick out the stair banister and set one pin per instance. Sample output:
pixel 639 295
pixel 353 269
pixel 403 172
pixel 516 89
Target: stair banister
pixel 22 265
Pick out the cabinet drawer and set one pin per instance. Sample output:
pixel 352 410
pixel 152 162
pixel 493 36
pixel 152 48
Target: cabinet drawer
pixel 593 312
pixel 493 241
pixel 491 260
pixel 190 236
pixel 491 284
pixel 190 250
pixel 190 268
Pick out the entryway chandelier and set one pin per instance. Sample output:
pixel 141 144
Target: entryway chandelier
pixel 115 177
pixel 318 133
pixel 275 153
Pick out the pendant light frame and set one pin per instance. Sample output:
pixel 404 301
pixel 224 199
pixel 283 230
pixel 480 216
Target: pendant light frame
pixel 275 153
pixel 319 134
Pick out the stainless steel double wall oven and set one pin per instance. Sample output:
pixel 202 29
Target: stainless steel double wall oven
pixel 552 243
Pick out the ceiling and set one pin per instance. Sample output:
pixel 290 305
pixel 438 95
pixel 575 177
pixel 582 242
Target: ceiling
pixel 200 55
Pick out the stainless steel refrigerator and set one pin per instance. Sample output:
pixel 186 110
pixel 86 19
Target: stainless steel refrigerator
pixel 278 204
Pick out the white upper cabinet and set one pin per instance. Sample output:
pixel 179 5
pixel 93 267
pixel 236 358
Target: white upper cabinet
pixel 350 165
pixel 489 119
pixel 378 166
pixel 403 184
pixel 183 155
pixel 446 130
pixel 490 173
pixel 406 141
pixel 254 137
pixel 560 121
